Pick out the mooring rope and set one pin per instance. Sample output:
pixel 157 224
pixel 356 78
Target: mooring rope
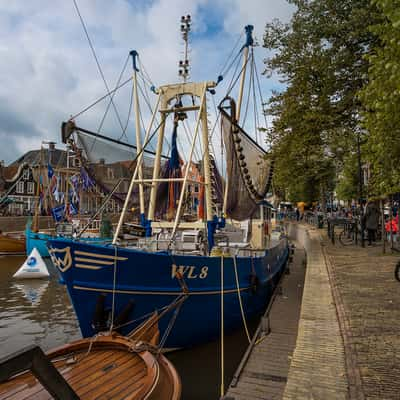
pixel 240 300
pixel 222 388
pixel 113 292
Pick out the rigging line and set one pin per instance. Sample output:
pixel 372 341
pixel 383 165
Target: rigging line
pixel 230 55
pixel 127 119
pixel 146 98
pixel 240 299
pixel 248 96
pixel 97 61
pixel 261 97
pixel 112 191
pixel 147 76
pixel 189 137
pixel 238 77
pixel 113 292
pixel 112 96
pixel 233 61
pixel 231 84
pixel 256 116
pixel 222 354
pixel 100 99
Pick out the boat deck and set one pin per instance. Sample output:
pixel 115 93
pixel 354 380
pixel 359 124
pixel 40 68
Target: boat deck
pixel 120 373
pixel 104 367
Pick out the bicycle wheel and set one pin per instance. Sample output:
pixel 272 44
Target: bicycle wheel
pixel 345 238
pixel 397 271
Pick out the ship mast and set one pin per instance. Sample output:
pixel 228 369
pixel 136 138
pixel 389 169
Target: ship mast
pixel 134 54
pixel 249 42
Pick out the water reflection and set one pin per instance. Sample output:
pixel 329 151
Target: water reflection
pixel 33 311
pixel 39 312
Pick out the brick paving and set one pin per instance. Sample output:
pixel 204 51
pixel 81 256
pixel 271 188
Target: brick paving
pixel 348 341
pixel 368 299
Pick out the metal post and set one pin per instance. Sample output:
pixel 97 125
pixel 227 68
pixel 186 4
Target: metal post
pixel 360 189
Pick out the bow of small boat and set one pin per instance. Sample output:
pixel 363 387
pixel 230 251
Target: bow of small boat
pixel 12 245
pixel 104 367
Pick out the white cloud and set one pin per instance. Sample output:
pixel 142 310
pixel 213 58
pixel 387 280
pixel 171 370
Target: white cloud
pixel 48 71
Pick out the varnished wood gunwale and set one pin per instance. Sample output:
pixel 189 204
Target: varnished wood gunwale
pixel 114 368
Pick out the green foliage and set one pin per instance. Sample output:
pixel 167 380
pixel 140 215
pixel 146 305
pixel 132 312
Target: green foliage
pixel 381 98
pixel 320 55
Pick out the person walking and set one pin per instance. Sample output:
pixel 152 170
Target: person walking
pixel 371 221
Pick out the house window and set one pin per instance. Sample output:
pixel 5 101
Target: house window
pixel 20 187
pixel 196 188
pixel 31 188
pixel 110 173
pixel 25 174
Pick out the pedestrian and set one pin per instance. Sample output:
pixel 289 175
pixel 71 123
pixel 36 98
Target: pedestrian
pixel 371 221
pixel 297 214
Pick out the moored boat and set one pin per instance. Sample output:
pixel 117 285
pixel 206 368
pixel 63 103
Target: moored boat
pixel 12 244
pixel 223 259
pixel 106 366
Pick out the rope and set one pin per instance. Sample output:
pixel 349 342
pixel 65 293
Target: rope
pixel 97 61
pixel 240 300
pixel 222 389
pixel 101 99
pixel 111 99
pixel 171 324
pixel 113 292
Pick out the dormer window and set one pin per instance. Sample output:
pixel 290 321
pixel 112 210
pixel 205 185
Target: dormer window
pixel 25 175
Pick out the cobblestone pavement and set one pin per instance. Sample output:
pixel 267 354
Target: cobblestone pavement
pixel 368 305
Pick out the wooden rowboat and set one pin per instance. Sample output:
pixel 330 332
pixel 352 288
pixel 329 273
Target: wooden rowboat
pixel 11 245
pixel 103 367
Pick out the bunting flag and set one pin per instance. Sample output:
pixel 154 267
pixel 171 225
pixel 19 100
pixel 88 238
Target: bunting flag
pixel 55 190
pixel 50 171
pixel 58 213
pixel 87 182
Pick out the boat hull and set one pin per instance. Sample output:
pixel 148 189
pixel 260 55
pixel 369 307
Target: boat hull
pixel 122 276
pixel 37 240
pixel 11 246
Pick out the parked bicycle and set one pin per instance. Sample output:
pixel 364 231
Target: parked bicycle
pixel 350 233
pixel 397 271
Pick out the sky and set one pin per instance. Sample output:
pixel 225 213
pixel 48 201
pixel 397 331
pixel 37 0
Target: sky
pixel 48 72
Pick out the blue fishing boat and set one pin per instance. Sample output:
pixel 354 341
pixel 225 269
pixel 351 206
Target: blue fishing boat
pixel 36 240
pixel 215 253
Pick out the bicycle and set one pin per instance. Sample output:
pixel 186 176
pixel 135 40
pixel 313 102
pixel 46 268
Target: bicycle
pixel 349 233
pixel 397 271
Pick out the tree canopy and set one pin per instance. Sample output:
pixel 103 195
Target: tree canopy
pixel 321 57
pixel 381 97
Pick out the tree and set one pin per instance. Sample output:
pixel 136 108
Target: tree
pixel 381 98
pixel 320 55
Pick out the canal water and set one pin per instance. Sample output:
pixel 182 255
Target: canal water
pixel 39 312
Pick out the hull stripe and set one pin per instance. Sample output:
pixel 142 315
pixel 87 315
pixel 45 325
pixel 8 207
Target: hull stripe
pixel 95 255
pixel 89 289
pixel 91 260
pixel 84 266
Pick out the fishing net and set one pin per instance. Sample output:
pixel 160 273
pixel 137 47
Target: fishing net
pixel 248 170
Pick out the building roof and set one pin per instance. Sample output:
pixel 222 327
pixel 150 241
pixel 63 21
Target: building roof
pixel 57 158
